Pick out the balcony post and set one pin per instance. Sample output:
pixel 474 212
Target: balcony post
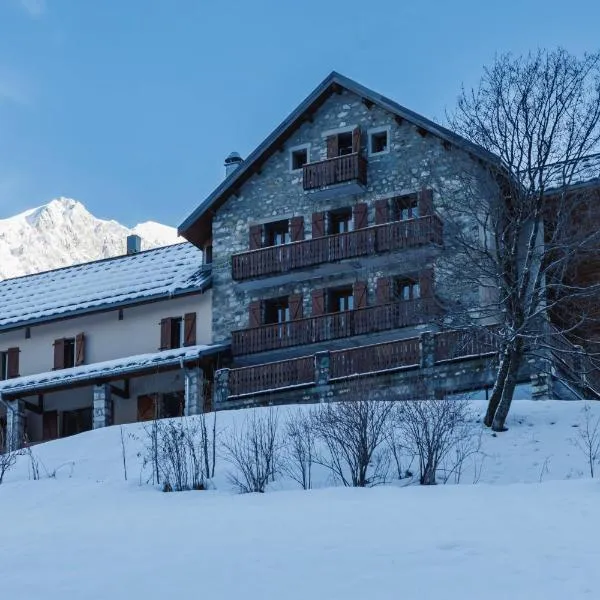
pixel 221 391
pixel 427 362
pixel 322 362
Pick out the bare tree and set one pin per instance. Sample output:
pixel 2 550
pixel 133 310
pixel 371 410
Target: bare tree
pixel 588 438
pixel 254 451
pixel 354 434
pixel 432 430
pixel 299 448
pixel 515 229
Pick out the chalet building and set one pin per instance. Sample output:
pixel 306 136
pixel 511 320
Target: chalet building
pixel 113 341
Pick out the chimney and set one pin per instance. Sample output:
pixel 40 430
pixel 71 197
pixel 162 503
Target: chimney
pixel 134 244
pixel 232 162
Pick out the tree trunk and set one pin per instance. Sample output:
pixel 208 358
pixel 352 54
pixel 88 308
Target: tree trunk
pixel 498 389
pixel 428 477
pixel 508 392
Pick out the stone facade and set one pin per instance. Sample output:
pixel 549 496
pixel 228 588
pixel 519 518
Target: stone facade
pixel 415 160
pixel 194 391
pixel 102 416
pixel 15 424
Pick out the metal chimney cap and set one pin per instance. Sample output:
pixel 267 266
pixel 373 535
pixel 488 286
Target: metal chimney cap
pixel 234 157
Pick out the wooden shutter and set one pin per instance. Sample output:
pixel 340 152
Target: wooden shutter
pixel 59 354
pixel 318 302
pixel 297 229
pixel 12 363
pixel 50 425
pixel 383 290
pixel 356 140
pixel 79 349
pixel 255 237
pixel 295 303
pixel 382 212
pixel 360 216
pixel 425 202
pixel 255 313
pixel 332 146
pixel 189 329
pixel 359 291
pixel 165 333
pixel 318 225
pixel 426 283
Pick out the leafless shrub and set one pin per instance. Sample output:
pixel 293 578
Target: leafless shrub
pixel 400 455
pixel 354 433
pixel 123 453
pixel 299 448
pixel 7 459
pixel 588 438
pixel 34 463
pixel 431 430
pixel 176 450
pixel 254 451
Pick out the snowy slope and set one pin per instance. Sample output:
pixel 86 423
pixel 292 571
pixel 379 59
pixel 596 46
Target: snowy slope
pixel 89 534
pixel 63 233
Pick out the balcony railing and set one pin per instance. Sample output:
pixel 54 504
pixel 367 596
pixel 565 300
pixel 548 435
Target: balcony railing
pixel 388 237
pixel 342 169
pixel 332 326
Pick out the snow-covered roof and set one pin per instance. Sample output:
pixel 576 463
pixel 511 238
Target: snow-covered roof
pixel 112 282
pixel 107 370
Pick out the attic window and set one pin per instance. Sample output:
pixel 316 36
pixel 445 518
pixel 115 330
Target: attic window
pixel 378 141
pixel 299 157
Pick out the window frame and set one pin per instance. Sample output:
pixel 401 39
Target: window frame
pixel 334 295
pixel 374 131
pixel 298 148
pixel 412 204
pixel 69 343
pixel 270 230
pixel 276 306
pixel 3 366
pixel 411 283
pixel 333 218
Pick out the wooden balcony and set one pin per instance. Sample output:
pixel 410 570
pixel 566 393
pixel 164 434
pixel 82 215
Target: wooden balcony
pixel 351 168
pixel 333 326
pixel 398 235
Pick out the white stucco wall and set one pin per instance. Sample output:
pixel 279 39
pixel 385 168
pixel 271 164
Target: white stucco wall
pixel 106 337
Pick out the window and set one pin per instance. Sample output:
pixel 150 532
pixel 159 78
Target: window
pixel 277 310
pixel 69 352
pixel 277 233
pixel 405 207
pixel 344 143
pixel 341 299
pixel 406 289
pixel 120 315
pixel 299 157
pixel 378 141
pixel 176 332
pixel 340 221
pixel 3 366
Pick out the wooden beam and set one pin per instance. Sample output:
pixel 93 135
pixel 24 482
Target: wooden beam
pixel 368 103
pixel 399 120
pixel 337 88
pixel 38 408
pixel 421 131
pixel 121 393
pixel 446 144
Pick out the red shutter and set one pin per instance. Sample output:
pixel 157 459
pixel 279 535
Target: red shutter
pixel 318 225
pixel 295 303
pixel 12 363
pixel 59 354
pixel 426 283
pixel 79 349
pixel 297 229
pixel 382 212
pixel 165 334
pixel 318 302
pixel 189 329
pixel 332 146
pixel 360 216
pixel 255 314
pixel 356 140
pixel 359 291
pixel 383 290
pixel 425 202
pixel 255 237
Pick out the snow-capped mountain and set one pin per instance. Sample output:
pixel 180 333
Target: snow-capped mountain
pixel 63 232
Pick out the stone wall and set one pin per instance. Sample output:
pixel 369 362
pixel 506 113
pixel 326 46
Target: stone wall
pixel 415 160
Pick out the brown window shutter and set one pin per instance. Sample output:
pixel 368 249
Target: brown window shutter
pixel 165 333
pixel 295 303
pixel 382 212
pixel 360 216
pixel 356 140
pixel 425 202
pixel 297 229
pixel 255 313
pixel 12 363
pixel 426 283
pixel 255 237
pixel 318 302
pixel 189 329
pixel 79 349
pixel 318 225
pixel 50 425
pixel 359 291
pixel 332 146
pixel 59 354
pixel 383 290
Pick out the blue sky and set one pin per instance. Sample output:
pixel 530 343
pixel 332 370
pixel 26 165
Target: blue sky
pixel 131 105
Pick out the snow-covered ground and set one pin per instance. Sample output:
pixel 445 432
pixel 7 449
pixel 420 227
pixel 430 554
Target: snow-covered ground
pixel 88 534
